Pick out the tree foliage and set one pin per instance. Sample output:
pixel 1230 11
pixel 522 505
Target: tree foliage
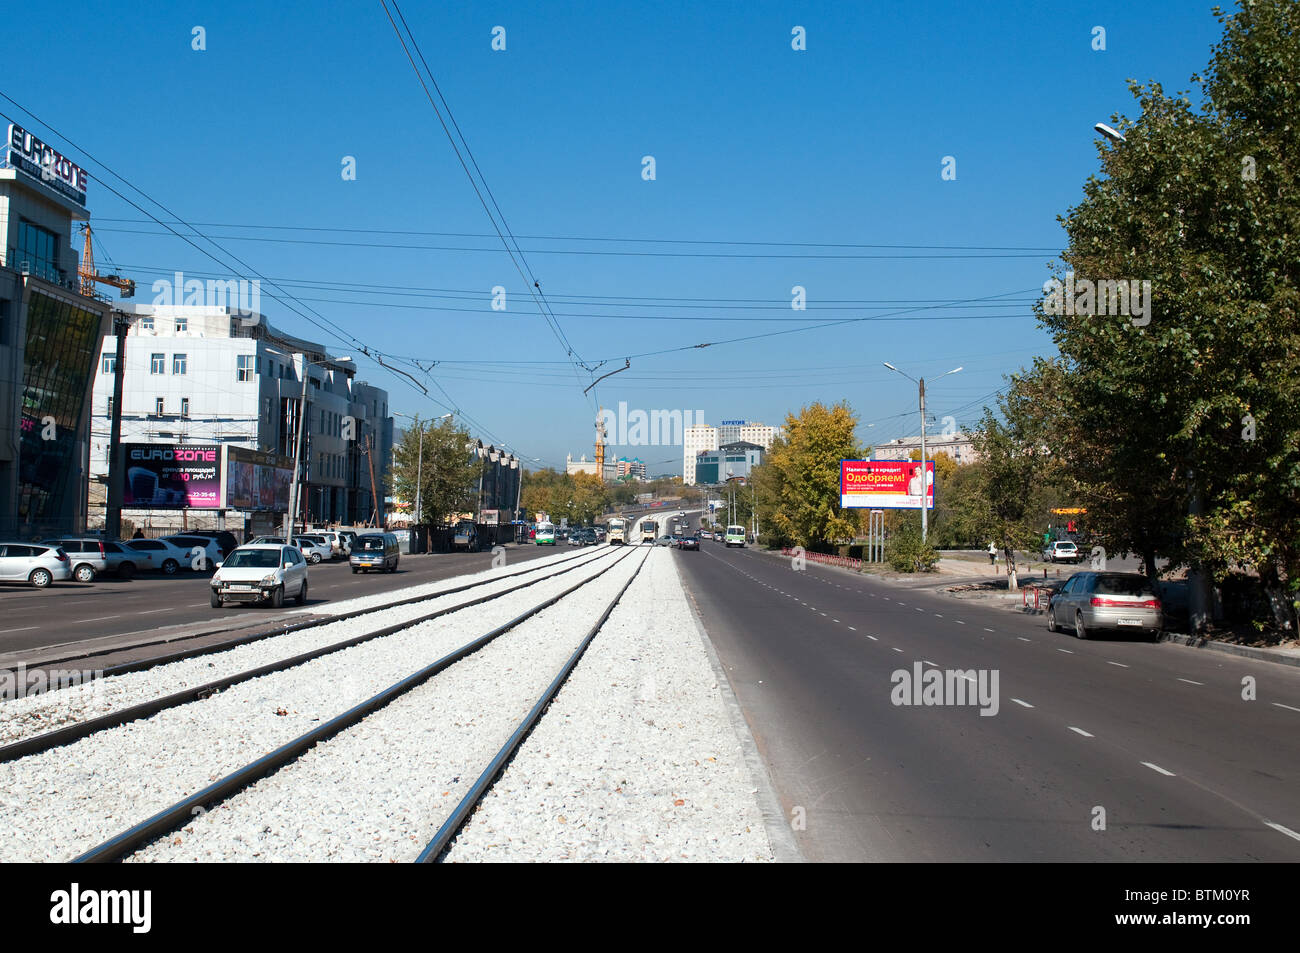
pixel 447 471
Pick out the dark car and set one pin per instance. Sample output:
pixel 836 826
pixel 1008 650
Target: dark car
pixel 688 542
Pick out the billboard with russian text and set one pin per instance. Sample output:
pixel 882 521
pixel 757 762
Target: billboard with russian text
pixel 886 484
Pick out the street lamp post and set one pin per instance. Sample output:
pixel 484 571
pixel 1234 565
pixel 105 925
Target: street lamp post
pixel 925 472
pixel 418 515
pixel 298 438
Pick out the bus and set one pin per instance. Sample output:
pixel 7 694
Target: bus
pixel 648 530
pixel 545 534
pixel 616 532
pixel 735 536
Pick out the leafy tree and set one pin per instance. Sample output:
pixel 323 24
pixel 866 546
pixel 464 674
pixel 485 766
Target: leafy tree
pixel 448 473
pixel 797 487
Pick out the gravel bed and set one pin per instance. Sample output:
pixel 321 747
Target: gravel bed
pixel 37 714
pixel 58 803
pixel 379 791
pixel 636 760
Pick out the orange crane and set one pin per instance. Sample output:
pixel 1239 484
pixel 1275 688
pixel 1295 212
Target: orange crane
pixel 89 276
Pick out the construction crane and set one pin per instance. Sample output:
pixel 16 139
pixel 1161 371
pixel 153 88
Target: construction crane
pixel 89 276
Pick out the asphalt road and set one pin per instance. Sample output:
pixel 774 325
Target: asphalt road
pixel 70 612
pixel 1157 736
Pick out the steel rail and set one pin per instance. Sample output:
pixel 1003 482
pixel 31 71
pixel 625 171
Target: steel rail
pixel 83 729
pixel 452 825
pixel 166 820
pixel 146 664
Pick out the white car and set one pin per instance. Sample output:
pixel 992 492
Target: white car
pixel 314 548
pixel 260 573
pixel 161 554
pixel 1062 551
pixel 338 546
pixel 205 547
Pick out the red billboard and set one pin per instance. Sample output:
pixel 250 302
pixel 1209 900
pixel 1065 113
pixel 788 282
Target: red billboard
pixel 886 484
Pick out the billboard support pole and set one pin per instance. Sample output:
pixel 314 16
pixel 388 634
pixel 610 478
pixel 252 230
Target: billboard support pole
pixel 925 472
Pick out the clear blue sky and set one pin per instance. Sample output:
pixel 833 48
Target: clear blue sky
pixel 753 142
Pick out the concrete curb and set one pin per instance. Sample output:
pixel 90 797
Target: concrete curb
pixel 779 834
pixel 1245 651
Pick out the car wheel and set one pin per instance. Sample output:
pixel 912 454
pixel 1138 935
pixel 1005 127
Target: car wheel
pixel 1080 630
pixel 301 598
pixel 126 571
pixel 170 566
pixel 354 570
pixel 1051 618
pixel 85 573
pixel 277 597
pixel 315 558
pixel 216 601
pixel 40 578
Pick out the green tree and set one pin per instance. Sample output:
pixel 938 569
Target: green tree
pixel 448 473
pixel 797 487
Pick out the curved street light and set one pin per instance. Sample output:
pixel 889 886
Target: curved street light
pixel 925 473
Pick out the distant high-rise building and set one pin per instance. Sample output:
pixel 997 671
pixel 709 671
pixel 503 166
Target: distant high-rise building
pixel 703 438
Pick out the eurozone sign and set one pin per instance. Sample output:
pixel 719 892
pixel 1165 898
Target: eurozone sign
pixel 886 484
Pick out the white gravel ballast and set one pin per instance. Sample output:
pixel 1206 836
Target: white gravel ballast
pixel 636 759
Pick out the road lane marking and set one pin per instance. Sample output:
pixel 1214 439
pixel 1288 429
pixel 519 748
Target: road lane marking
pixel 852 629
pixel 148 611
pixel 835 620
pixel 988 630
pixel 1023 639
pixel 1156 767
pixel 938 615
pixel 873 638
pixel 102 618
pixel 1079 730
pixel 1066 651
pixel 1283 830
pixel 823 614
pixel 926 661
pixel 1120 664
pixel 896 649
pixel 1019 702
pixel 23 629
pixel 1287 707
pixel 959 622
pixel 1190 682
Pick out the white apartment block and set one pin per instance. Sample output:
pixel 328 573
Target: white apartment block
pixel 694 440
pixel 957 446
pixel 703 437
pixel 209 375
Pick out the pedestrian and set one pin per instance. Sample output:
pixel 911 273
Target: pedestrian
pixel 993 554
pixel 138 534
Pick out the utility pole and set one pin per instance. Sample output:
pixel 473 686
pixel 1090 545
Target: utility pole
pixel 925 472
pixel 374 497
pixel 116 461
pixel 297 452
pixel 419 473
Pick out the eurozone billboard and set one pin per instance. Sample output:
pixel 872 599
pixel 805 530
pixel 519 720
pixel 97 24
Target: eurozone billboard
pixel 886 484
pixel 172 476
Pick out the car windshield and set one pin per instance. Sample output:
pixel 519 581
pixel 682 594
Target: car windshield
pixel 1125 586
pixel 372 542
pixel 253 559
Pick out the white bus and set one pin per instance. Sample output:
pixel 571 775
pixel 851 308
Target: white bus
pixel 545 534
pixel 616 532
pixel 735 536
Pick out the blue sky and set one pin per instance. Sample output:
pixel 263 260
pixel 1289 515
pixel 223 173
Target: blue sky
pixel 839 145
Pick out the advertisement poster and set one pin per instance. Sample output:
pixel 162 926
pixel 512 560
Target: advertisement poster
pixel 172 476
pixel 886 484
pixel 256 481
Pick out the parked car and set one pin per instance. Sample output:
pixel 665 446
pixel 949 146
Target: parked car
pixel 162 554
pixel 346 538
pixel 1062 551
pixel 375 551
pixel 268 541
pixel 226 541
pixel 87 555
pixel 260 573
pixel 314 548
pixel 688 542
pixel 37 564
pixel 334 539
pixel 465 537
pixel 205 547
pixel 1089 602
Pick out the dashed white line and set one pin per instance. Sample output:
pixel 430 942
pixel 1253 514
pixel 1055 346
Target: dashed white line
pixel 1287 707
pixel 1023 639
pixel 101 618
pixel 1190 682
pixel 926 661
pixel 1079 731
pixel 1120 664
pixel 835 620
pixel 1156 767
pixel 959 622
pixel 873 638
pixel 852 629
pixel 938 615
pixel 1023 704
pixel 23 629
pixel 988 630
pixel 1066 651
pixel 896 649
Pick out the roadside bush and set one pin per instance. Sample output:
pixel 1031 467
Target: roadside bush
pixel 906 552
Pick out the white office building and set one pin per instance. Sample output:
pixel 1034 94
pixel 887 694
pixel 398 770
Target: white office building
pixel 216 376
pixel 703 438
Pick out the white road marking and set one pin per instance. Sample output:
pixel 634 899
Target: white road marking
pixel 835 620
pixel 1190 682
pixel 1120 664
pixel 926 661
pixel 1287 707
pixel 1023 639
pixel 938 615
pixel 23 629
pixel 1079 730
pixel 1156 767
pixel 101 618
pixel 896 649
pixel 1066 651
pixel 823 614
pixel 1284 830
pixel 852 629
pixel 149 611
pixel 959 622
pixel 1019 702
pixel 988 630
